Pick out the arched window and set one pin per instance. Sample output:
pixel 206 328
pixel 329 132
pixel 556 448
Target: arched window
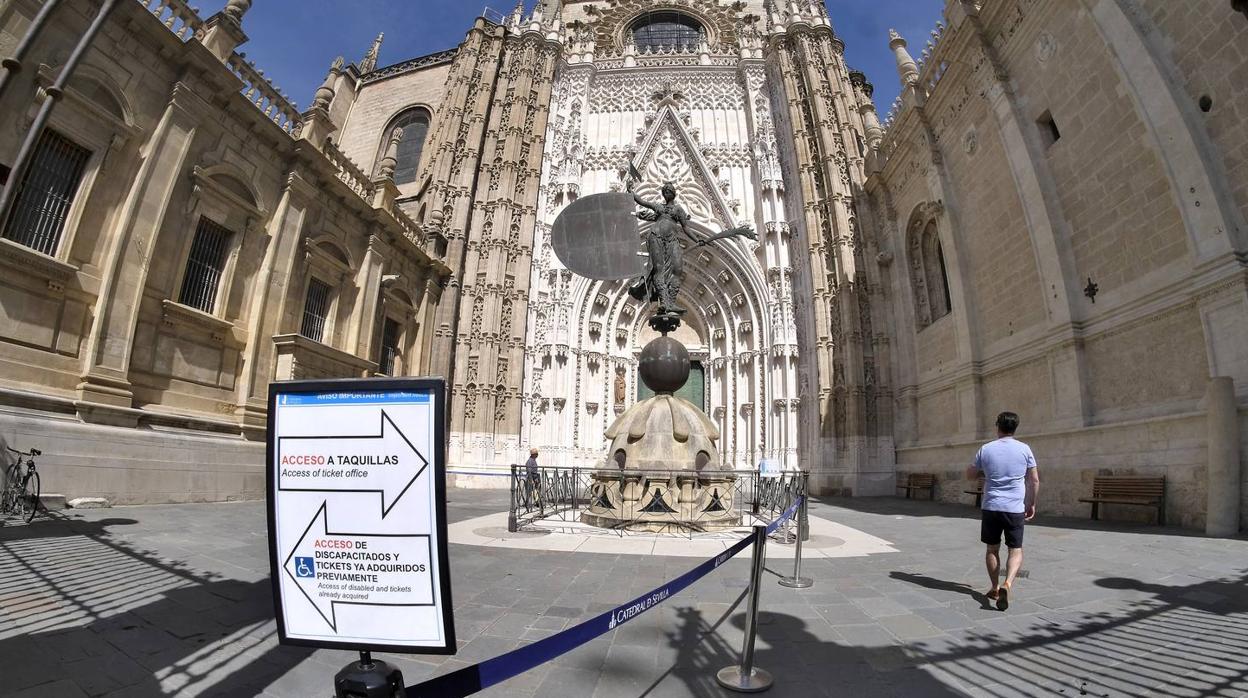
pixel 415 125
pixel 656 31
pixel 934 270
pixel 928 276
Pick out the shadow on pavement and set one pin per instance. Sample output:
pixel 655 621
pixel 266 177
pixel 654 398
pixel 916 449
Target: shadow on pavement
pixel 1183 640
pixel 942 585
pixel 800 663
pixel 1174 640
pixel 82 612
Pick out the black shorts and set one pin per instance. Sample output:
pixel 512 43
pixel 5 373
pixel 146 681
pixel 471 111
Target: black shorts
pixel 994 523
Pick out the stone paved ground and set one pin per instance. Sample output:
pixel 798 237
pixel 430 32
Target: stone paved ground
pixel 175 600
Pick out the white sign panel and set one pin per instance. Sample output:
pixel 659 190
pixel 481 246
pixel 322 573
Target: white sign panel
pixel 357 524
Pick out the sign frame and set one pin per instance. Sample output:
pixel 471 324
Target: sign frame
pixel 436 386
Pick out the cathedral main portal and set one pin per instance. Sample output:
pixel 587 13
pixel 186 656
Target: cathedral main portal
pixel 698 114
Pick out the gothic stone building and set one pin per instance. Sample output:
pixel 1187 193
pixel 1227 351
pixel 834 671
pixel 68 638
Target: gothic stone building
pixel 1051 220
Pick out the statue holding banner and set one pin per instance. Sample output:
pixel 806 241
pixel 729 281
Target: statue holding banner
pixel 661 284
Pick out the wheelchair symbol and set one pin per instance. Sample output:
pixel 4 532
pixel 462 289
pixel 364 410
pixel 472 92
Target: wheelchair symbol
pixel 304 567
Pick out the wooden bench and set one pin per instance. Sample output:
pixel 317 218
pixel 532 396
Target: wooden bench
pixel 918 481
pixel 978 491
pixel 1128 489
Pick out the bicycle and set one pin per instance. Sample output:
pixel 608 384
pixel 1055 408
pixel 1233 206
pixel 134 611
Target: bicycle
pixel 21 490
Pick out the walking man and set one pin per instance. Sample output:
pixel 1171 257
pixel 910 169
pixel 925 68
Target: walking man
pixel 532 476
pixel 1010 486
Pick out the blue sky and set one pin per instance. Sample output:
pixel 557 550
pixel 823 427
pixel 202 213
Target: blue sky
pixel 295 48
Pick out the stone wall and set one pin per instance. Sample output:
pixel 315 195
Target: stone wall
pixel 1172 447
pixel 135 466
pixel 1156 364
pixel 379 102
pixel 1096 261
pixel 1204 45
pixel 131 391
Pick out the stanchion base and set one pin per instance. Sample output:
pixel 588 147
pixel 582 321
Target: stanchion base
pixel 796 582
pixel 732 679
pixel 376 679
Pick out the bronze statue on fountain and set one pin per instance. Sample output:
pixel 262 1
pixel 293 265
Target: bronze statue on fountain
pixel 662 468
pixel 661 284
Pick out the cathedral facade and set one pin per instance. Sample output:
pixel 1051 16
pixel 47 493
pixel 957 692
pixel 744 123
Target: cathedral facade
pixel 1051 220
pixel 563 101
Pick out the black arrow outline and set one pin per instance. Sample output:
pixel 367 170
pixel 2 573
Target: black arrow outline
pixel 333 611
pixel 381 492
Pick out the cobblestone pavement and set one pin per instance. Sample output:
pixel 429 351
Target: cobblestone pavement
pixel 175 600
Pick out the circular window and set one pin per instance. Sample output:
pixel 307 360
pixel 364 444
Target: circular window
pixel 665 31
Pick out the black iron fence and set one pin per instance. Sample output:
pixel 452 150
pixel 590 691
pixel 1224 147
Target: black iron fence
pixel 669 500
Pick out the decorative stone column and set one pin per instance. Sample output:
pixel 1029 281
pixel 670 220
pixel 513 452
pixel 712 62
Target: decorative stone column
pixel 268 303
pixel 1223 482
pixel 107 352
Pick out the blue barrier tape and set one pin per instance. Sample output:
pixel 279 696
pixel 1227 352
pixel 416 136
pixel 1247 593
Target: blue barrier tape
pixel 469 680
pixel 771 527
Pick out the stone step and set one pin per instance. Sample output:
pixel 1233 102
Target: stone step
pixel 53 502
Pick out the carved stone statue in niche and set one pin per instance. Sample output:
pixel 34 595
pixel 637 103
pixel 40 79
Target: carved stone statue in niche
pixel 621 388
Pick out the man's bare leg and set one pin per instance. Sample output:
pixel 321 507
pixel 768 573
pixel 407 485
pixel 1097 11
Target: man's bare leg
pixel 1012 565
pixel 992 560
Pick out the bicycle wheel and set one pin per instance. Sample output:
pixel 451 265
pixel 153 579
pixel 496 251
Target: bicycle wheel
pixel 28 502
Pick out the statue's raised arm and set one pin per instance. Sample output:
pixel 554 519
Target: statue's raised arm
pixel 745 231
pixel 647 204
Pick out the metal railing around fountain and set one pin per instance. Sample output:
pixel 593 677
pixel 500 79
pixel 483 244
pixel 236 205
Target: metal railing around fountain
pixel 553 494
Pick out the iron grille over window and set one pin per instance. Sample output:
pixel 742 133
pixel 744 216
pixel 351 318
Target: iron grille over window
pixel 389 346
pixel 46 193
pixel 315 310
pixel 415 125
pixel 204 265
pixel 666 30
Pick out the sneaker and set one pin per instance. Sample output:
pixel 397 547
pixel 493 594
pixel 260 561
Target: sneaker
pixel 1003 598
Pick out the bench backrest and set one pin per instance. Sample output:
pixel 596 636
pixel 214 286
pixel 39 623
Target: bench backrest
pixel 920 479
pixel 1128 486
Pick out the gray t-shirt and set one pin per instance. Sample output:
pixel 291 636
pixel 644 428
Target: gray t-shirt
pixel 1004 463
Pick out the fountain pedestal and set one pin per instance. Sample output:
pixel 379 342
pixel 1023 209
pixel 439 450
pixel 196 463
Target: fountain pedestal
pixel 662 470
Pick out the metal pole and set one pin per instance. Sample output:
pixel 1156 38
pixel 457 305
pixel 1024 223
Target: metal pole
pixel 13 64
pixel 747 678
pixel 52 96
pixel 797 581
pixel 512 527
pixel 804 518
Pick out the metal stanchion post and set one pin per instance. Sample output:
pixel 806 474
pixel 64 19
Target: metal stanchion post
pixel 369 678
pixel 797 581
pixel 512 527
pixel 745 677
pixel 803 518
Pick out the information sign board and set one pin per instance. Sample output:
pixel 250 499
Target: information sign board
pixel 357 514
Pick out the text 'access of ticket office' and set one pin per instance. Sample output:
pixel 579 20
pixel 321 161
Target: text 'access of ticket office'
pixel 357 514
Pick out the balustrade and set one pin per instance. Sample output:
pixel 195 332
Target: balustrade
pixel 177 16
pixel 268 99
pixel 350 173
